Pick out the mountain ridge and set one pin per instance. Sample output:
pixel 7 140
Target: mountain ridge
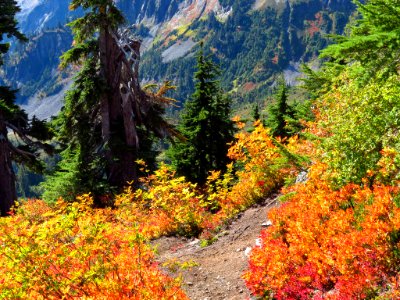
pixel 252 41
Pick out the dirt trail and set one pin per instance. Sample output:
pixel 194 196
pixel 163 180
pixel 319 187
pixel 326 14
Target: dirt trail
pixel 220 265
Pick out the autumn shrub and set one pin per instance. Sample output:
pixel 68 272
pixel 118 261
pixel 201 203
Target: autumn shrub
pixel 357 123
pixel 167 204
pixel 264 162
pixel 75 252
pixel 329 244
pixel 71 250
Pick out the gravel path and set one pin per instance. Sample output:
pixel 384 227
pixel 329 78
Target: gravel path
pixel 218 267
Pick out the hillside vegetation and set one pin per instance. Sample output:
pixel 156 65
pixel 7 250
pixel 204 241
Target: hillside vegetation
pixel 253 44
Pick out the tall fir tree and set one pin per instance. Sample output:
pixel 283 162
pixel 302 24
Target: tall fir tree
pixel 26 134
pixel 107 116
pixel 279 112
pixel 255 113
pixel 205 125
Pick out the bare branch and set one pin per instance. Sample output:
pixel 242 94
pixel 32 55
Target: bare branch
pixel 18 131
pixel 21 152
pixel 28 140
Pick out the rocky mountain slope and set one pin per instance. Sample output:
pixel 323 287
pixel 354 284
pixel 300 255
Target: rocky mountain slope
pixel 251 40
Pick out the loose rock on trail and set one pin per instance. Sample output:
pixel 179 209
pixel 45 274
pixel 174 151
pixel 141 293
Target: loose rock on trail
pixel 217 269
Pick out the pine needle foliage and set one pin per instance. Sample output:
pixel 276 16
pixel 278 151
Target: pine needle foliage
pixel 108 122
pixel 374 39
pixel 205 125
pixel 279 112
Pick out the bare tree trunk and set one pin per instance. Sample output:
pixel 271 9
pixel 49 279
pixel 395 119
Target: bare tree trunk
pixel 124 105
pixel 118 116
pixel 131 95
pixel 7 178
pixel 110 108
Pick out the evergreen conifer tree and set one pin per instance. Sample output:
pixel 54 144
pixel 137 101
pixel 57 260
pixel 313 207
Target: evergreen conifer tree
pixel 25 146
pixel 373 40
pixel 256 112
pixel 205 125
pixel 279 111
pixel 107 115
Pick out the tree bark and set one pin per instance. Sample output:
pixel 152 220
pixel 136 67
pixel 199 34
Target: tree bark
pixel 7 177
pixel 119 117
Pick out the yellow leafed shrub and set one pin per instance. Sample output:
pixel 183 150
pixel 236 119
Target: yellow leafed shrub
pixel 75 252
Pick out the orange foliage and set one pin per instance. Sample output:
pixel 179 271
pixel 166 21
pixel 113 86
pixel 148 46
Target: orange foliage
pixel 264 166
pixel 75 252
pixel 170 205
pixel 275 59
pixel 249 86
pixel 329 244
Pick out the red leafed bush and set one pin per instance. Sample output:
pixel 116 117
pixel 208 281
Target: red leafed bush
pixel 329 244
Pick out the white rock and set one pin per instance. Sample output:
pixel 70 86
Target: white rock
pixel 267 224
pixel 194 242
pixel 302 177
pixel 247 251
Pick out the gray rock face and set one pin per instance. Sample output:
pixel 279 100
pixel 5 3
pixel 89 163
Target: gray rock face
pixel 177 50
pixel 46 107
pixel 302 177
pixel 37 15
pixel 154 12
